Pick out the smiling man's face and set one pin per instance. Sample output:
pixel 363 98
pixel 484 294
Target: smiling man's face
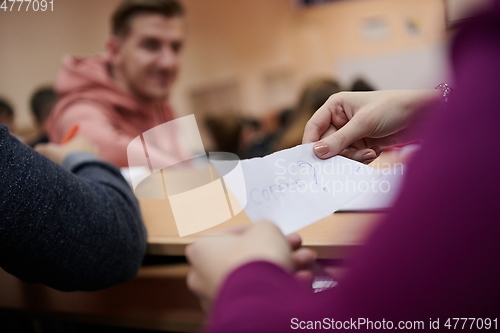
pixel 146 61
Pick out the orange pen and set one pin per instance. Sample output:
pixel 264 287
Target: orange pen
pixel 70 134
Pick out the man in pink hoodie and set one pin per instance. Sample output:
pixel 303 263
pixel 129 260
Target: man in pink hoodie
pixel 117 96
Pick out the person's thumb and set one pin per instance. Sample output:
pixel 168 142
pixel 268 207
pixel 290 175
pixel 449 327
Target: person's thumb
pixel 336 142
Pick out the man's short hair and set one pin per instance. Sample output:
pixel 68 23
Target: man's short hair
pixel 42 102
pixel 6 109
pixel 129 9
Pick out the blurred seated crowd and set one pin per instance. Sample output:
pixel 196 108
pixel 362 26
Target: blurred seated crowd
pixel 245 136
pixel 250 137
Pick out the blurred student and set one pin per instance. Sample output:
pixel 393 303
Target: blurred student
pixel 226 132
pixel 434 258
pixel 6 114
pixel 72 228
pixel 115 97
pixel 42 102
pixel 257 136
pixel 315 94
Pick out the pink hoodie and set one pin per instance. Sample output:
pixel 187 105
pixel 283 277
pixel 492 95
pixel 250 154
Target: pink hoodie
pixel 107 115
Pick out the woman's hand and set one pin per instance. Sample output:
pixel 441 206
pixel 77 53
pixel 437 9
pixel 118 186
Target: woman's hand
pixel 358 124
pixel 213 258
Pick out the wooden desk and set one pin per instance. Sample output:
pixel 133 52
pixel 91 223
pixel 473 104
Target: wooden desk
pixel 156 299
pixel 332 237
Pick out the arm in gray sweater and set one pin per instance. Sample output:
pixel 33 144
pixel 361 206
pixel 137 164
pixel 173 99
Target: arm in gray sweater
pixel 77 230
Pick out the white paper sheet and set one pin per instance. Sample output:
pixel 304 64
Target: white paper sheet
pixel 380 197
pixel 293 188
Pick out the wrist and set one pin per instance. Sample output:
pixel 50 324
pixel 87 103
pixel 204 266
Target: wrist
pixel 445 91
pixel 419 98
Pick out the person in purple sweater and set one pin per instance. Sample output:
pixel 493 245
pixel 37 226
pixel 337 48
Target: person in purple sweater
pixel 436 256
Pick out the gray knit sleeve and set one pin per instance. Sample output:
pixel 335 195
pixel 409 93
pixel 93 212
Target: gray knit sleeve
pixel 78 230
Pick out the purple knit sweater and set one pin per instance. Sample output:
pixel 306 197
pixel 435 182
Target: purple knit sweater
pixel 437 255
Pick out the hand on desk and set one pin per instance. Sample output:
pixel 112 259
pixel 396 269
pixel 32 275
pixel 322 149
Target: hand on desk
pixel 358 124
pixel 213 258
pixel 58 153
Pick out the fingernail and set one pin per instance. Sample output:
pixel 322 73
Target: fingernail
pixel 320 149
pixel 369 155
